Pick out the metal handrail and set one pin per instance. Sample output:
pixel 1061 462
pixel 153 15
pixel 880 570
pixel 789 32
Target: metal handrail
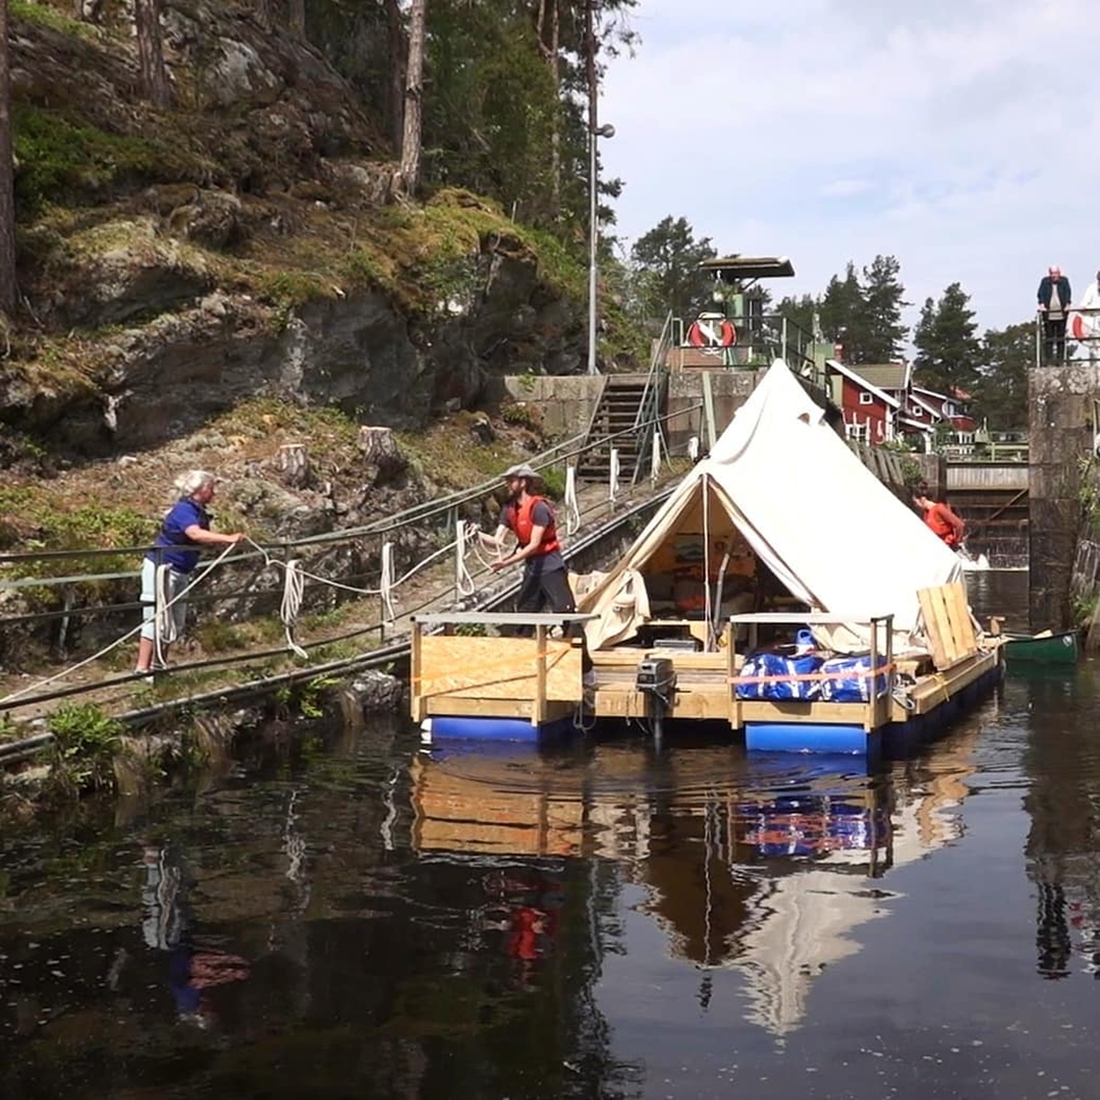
pixel 779 336
pixel 418 514
pixel 645 422
pixel 1091 342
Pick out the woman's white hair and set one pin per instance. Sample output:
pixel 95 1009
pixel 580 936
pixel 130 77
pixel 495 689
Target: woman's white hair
pixel 191 482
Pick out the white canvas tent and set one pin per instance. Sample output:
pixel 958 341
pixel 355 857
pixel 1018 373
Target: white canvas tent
pixel 832 534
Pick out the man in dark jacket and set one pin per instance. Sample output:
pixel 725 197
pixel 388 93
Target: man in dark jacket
pixel 1054 298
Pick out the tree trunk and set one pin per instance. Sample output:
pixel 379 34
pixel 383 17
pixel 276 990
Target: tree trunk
pixel 555 133
pixel 298 19
pixel 265 13
pixel 409 172
pixel 399 54
pixel 7 175
pixel 154 76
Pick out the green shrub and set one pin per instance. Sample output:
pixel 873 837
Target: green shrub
pixel 522 415
pixel 86 741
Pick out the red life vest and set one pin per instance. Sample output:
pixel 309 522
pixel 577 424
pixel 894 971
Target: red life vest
pixel 523 523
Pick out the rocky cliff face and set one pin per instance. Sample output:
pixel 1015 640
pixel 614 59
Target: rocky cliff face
pixel 243 243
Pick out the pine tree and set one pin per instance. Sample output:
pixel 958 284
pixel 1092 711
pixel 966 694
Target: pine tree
pixel 801 311
pixel 844 315
pixel 949 353
pixel 883 300
pixel 1000 392
pixel 666 264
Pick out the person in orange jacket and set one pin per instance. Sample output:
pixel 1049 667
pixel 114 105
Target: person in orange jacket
pixel 939 517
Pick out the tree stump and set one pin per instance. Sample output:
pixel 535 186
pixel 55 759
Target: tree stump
pixel 294 464
pixel 379 446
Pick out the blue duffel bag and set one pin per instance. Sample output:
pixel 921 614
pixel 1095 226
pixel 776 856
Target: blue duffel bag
pixel 768 665
pixel 849 679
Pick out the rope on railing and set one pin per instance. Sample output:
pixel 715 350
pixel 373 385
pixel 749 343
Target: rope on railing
pixel 118 641
pixel 569 501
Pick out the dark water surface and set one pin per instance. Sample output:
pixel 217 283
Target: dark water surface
pixel 360 920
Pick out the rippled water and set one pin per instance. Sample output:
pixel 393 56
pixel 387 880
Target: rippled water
pixel 362 920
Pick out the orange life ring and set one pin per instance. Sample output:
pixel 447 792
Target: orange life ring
pixel 712 334
pixel 1081 327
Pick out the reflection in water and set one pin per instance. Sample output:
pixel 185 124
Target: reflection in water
pixel 1063 843
pixel 371 921
pixel 758 864
pixel 193 969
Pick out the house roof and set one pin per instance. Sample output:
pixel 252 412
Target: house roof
pixel 920 425
pixel 928 406
pixel 863 383
pixel 887 376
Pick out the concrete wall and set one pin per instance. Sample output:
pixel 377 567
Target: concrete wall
pixel 730 390
pixel 565 401
pixel 1061 439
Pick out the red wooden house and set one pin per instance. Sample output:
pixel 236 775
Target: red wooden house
pixel 870 413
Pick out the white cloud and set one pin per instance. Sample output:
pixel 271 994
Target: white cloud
pixel 962 136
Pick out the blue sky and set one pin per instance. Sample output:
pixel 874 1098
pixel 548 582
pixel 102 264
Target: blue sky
pixel 962 136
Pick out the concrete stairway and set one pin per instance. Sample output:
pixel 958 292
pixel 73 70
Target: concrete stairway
pixel 616 412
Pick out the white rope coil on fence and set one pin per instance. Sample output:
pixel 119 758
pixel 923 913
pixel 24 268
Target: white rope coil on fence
pixel 572 508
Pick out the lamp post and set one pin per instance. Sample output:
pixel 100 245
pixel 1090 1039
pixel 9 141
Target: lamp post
pixel 595 132
pixel 593 238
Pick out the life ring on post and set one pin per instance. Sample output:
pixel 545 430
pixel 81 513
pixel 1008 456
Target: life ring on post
pixel 716 332
pixel 1082 327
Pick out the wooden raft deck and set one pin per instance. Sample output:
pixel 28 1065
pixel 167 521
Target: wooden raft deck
pixel 539 679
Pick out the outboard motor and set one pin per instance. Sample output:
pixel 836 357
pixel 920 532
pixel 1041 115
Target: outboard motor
pixel 656 678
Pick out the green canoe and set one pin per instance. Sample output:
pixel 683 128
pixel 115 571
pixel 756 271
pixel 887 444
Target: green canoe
pixel 1062 648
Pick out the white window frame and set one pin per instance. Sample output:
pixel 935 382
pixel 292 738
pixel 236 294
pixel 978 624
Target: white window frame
pixel 866 398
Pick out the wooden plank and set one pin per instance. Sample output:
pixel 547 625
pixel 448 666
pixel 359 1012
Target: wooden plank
pixel 497 668
pixel 936 626
pixel 457 706
pixel 799 710
pixel 962 623
pixel 539 708
pixel 934 689
pixel 503 618
pixel 700 705
pixel 416 703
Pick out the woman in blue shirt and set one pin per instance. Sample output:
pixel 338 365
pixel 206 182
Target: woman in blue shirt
pixel 185 530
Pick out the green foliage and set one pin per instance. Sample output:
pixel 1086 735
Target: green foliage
pixel 666 270
pixel 47 16
pixel 883 302
pixel 216 636
pixel 64 160
pixel 553 481
pixel 1000 392
pixel 59 526
pixel 7 728
pixel 86 742
pixel 310 696
pixel 470 630
pixel 949 353
pixel 522 415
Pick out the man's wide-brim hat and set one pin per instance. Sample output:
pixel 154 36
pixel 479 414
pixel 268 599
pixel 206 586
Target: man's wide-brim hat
pixel 523 469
